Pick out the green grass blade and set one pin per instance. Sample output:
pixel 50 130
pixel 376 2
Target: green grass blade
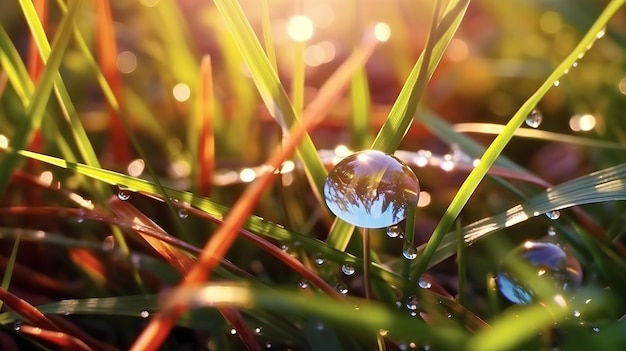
pixel 401 114
pixel 496 147
pixel 602 186
pixel 8 272
pixel 36 108
pixel 268 84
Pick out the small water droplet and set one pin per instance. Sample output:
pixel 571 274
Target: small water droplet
pixel 596 329
pixel 553 214
pixel 284 247
pixel 303 284
pixel 233 331
pixel 348 269
pixel 144 314
pixel 449 315
pixel 557 83
pixel 182 213
pixel 319 326
pixel 398 304
pixel 551 231
pixel 534 118
pixel 412 303
pixel 394 231
pixel 268 345
pixel 17 326
pixel 424 283
pixel 319 260
pixel 108 243
pixel 371 189
pixel 258 330
pixel 409 251
pixel 123 194
pixel 413 313
pixel 343 290
pixel 403 347
pixel 552 263
pixel 576 313
pixel 80 218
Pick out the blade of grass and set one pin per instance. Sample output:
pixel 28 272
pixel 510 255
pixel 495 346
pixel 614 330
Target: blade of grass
pixel 107 55
pixel 268 84
pixel 402 111
pixel 496 147
pixel 10 265
pixel 204 120
pixel 35 110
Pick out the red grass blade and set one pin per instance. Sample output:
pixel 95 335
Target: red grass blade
pixel 60 339
pixel 107 56
pixel 206 142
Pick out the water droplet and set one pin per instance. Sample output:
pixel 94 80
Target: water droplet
pixel 123 194
pixel 412 303
pixel 284 247
pixel 108 243
pixel 552 263
pixel 17 326
pixel 343 290
pixel 258 330
pixel 233 331
pixel 319 260
pixel 596 329
pixel 268 345
pixel 534 118
pixel 449 315
pixel 182 213
pixel 398 304
pixel 304 284
pixel 551 231
pixel 409 251
pixel 553 214
pixel 413 313
pixel 394 231
pixel 557 83
pixel 403 347
pixel 447 163
pixel 371 189
pixel 576 313
pixel 319 326
pixel 80 218
pixel 348 269
pixel 424 283
pixel 144 314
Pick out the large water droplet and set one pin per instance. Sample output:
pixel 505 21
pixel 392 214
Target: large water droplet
pixel 394 231
pixel 371 189
pixel 303 284
pixel 182 213
pixel 552 264
pixel 144 314
pixel 534 118
pixel 348 269
pixel 409 251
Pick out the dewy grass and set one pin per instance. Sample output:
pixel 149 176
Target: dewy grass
pixel 260 283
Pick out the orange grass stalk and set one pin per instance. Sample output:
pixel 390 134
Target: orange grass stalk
pixel 35 67
pixel 206 142
pixel 159 327
pixel 107 56
pixel 67 342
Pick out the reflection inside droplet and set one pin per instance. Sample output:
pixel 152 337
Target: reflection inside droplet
pixel 371 189
pixel 534 118
pixel 551 263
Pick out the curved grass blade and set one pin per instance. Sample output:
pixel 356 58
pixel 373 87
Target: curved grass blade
pixel 36 108
pixel 402 111
pixel 602 186
pixel 268 84
pixel 496 147
pixel 495 129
